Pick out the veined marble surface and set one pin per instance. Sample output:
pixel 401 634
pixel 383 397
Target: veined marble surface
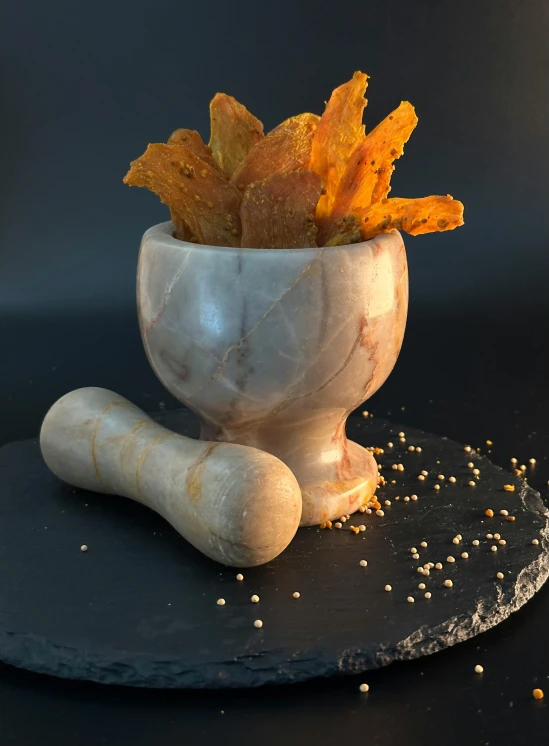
pixel 274 348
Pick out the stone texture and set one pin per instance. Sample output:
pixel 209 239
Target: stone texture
pixel 273 348
pixel 139 608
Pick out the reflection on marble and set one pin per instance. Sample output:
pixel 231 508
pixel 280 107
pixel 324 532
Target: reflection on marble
pixel 274 348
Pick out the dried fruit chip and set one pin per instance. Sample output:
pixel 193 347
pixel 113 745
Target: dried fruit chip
pixel 338 134
pixel 192 140
pixel 278 212
pixel 234 131
pixel 346 231
pixel 366 179
pixel 415 216
pixel 195 191
pixel 286 148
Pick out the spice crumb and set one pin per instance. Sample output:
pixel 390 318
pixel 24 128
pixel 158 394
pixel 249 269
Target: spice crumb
pixel 509 487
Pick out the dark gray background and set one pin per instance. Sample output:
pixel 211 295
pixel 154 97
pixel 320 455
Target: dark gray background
pixel 84 88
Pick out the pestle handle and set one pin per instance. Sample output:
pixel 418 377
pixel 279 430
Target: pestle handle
pixel 238 505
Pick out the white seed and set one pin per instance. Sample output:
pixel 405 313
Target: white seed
pixel 502 542
pixel 258 623
pixel 476 472
pixel 254 599
pixel 363 563
pixel 470 465
pixel 422 586
pixel 467 449
pixel 296 594
pixel 418 449
pixel 411 448
pixel 388 587
pixel 448 583
pixel 472 484
pixel 221 602
pixel 380 513
pixel 240 576
pixel 475 542
pixel 499 576
pixel 494 548
pixel 368 511
pixel 426 566
pixel 394 467
pixel 362 508
pixel 426 571
pixel 431 564
pixel 452 479
pixel 479 669
pixel 489 536
pixel 455 540
pixel 421 478
pixel 338 524
pixel 450 559
pixel 84 548
pixel 415 556
pixel 532 461
pixel 362 527
pixel 402 435
pixel 410 599
pixel 535 542
pixel 428 595
pixel 343 519
pixel 423 544
pixel 389 444
pixel 441 477
pixel 438 566
pixel 497 537
pixel 400 467
pixel 420 570
pixel 504 512
pixel 465 555
pixel 387 503
pixel 413 497
pixel 413 550
pixel 406 499
pixel 425 473
pixel 364 688
pixel 514 461
pixel 436 487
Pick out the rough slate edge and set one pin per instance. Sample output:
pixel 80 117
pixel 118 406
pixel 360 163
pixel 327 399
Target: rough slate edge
pixel 39 655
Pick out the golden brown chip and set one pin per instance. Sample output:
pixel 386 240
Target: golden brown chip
pixel 286 148
pixel 192 140
pixel 338 134
pixel 278 212
pixel 195 191
pixel 234 131
pixel 415 216
pixel 366 178
pixel 346 231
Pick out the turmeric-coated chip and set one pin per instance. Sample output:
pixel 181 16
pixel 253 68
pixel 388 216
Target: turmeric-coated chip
pixel 345 231
pixel 338 134
pixel 196 192
pixel 193 141
pixel 279 212
pixel 234 131
pixel 366 178
pixel 286 148
pixel 415 216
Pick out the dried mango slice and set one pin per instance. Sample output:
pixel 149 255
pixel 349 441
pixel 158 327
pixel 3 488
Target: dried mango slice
pixel 286 148
pixel 415 216
pixel 346 231
pixel 195 191
pixel 366 178
pixel 279 212
pixel 338 134
pixel 234 131
pixel 193 141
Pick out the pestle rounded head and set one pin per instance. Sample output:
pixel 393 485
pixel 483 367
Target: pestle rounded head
pixel 256 509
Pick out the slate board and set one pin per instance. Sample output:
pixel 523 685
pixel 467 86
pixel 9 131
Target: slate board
pixel 139 608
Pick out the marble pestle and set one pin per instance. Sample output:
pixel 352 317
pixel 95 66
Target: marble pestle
pixel 237 504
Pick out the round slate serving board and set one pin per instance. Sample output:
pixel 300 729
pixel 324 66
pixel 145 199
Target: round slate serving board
pixel 139 608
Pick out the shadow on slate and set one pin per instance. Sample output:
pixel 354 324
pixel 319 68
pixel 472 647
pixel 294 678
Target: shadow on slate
pixel 139 608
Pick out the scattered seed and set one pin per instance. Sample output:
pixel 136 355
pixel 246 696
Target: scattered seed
pixel 84 548
pixel 504 512
pixel 406 499
pixel 424 473
pixel 535 542
pixel 489 536
pixel 423 544
pixel 387 503
pixel 436 487
pixel 502 542
pixel 343 519
pixel 441 477
pixel 400 467
pixel 438 566
pixel 537 693
pixel 475 542
pixel 420 570
pixel 394 467
pixel 296 594
pixel 448 583
pixel 455 540
pixel 459 536
pixel 362 527
pixel 489 513
pixel 510 518
pixel 402 435
pixel 452 479
pixel 479 669
pixel 428 595
pixel 365 414
pixel 499 576
pixel 221 602
pixel 497 537
pixel 476 472
pixel 418 449
pixel 388 587
pixel 450 559
pixel 509 487
pixel 363 563
pixel 389 444
pixel 254 599
pixel 411 448
pixel 410 599
pixel 364 688
pixel 467 449
pixel 355 529
pixel 338 525
pixel 380 513
pixel 523 467
pixel 258 623
pixel 422 586
pixel 431 564
pixel 240 576
pixel 465 555
pixel 532 461
pixel 472 484
pixel 470 464
pixel 513 460
pixel 421 478
pixel 494 548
